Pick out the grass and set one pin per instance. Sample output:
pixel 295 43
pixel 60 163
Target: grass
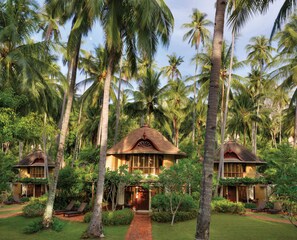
pixel 275 216
pixel 12 228
pixel 225 226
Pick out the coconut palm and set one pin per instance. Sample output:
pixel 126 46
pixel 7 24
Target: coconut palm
pixel 171 71
pixel 203 219
pixel 83 15
pixel 246 9
pixel 176 106
pixel 259 56
pixel 197 34
pixel 126 24
pixel 146 104
pixel 288 63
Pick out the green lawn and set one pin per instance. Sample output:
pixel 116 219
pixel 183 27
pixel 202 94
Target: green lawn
pixel 228 227
pixel 11 229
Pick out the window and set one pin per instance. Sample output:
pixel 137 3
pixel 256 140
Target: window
pixel 37 172
pixel 147 163
pixel 233 170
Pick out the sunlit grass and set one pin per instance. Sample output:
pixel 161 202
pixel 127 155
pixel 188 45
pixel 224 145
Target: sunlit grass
pixel 229 227
pixel 12 228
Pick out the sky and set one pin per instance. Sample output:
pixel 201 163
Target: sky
pixel 182 10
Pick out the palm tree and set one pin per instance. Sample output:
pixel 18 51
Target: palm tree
pixel 259 55
pixel 203 219
pixel 172 71
pixel 246 9
pixel 83 14
pixel 146 102
pixel 197 33
pixel 287 59
pixel 126 25
pixel 176 106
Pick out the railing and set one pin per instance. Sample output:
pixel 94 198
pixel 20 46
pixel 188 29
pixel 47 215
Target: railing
pixel 146 170
pixel 233 174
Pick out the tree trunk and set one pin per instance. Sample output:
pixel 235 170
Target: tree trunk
pixel 21 147
pixel 95 228
pixel 77 137
pixel 225 114
pixel 118 107
pixel 46 174
pixel 203 219
pixel 48 213
pixel 295 124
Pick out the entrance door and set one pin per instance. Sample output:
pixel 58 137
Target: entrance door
pixel 38 191
pixel 232 193
pixel 142 199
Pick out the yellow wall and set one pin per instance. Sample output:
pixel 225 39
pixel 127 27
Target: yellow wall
pixel 24 173
pixel 260 192
pixel 250 171
pixel 168 161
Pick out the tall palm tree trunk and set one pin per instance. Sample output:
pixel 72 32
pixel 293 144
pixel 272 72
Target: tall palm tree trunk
pixel 295 124
pixel 48 213
pixel 203 219
pixel 225 114
pixel 118 107
pixel 95 227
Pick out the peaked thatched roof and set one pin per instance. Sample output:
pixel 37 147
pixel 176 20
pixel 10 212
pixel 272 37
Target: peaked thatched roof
pixel 35 159
pixel 145 140
pixel 234 152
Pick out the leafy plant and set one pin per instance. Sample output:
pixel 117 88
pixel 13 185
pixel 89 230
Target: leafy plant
pixel 35 207
pixel 33 227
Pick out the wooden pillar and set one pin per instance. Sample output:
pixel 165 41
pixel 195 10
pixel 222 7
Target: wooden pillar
pixel 247 193
pixel 236 193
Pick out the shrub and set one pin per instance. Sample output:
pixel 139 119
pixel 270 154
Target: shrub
pixel 226 206
pixel 167 216
pixel 119 217
pixel 161 203
pixel 188 204
pixel 33 227
pixel 24 199
pixel 250 205
pixel 37 226
pixel 57 225
pixel 35 207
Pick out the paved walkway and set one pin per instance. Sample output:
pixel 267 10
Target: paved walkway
pixel 140 228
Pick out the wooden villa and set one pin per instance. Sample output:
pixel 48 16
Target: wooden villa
pixel 241 164
pixel 31 180
pixel 143 149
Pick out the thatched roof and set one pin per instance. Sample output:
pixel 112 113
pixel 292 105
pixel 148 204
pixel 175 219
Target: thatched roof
pixel 35 159
pixel 145 140
pixel 236 153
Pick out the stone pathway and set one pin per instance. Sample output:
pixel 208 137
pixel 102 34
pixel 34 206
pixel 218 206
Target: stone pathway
pixel 140 228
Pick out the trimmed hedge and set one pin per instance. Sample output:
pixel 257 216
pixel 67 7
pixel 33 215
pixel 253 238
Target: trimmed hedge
pixel 35 208
pixel 167 216
pixel 119 217
pixel 226 206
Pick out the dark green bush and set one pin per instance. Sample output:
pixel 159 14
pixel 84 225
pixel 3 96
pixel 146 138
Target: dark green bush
pixel 161 203
pixel 119 217
pixel 33 227
pixel 188 204
pixel 167 216
pixel 37 226
pixel 226 206
pixel 57 225
pixel 250 205
pixel 24 199
pixel 35 207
